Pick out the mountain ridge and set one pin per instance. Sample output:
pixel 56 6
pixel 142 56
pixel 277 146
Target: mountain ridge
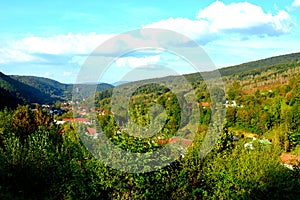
pixel 33 89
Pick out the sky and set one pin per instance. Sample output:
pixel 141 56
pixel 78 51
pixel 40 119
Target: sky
pixel 53 39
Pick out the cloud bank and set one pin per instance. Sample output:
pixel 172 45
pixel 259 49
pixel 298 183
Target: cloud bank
pixel 235 18
pixel 296 4
pixel 224 29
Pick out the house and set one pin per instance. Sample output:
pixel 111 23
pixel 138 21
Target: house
pixel 235 138
pixel 205 104
pixel 80 120
pixel 59 122
pixel 104 112
pixel 180 141
pixel 92 132
pixel 290 161
pixel 248 145
pixel 120 130
pixel 260 141
pixel 230 103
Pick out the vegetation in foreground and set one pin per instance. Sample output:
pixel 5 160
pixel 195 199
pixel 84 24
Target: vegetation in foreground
pixel 46 165
pixel 42 160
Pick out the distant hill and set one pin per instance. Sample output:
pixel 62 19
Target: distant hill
pixel 84 91
pixel 263 73
pixel 119 83
pixel 254 66
pixel 22 91
pixel 276 60
pixel 16 90
pixel 61 91
pixel 48 86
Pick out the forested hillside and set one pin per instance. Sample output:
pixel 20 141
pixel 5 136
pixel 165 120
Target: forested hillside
pixel 40 159
pixel 278 65
pixel 59 90
pixel 8 100
pixel 260 64
pixel 45 85
pixel 31 89
pixel 24 92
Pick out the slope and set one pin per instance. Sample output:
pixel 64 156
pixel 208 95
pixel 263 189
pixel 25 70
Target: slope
pixel 60 91
pixel 19 90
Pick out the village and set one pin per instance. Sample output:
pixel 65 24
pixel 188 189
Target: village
pixel 64 114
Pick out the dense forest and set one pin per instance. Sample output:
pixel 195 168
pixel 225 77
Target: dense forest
pixel 43 160
pixel 31 89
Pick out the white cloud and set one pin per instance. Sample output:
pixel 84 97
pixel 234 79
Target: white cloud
pixel 12 55
pixel 232 32
pixel 75 46
pixel 31 49
pixel 237 18
pixel 61 44
pixel 134 62
pixel 78 60
pixel 191 28
pixel 67 73
pixel 244 16
pixel 216 20
pixel 229 52
pixel 296 4
pixel 47 74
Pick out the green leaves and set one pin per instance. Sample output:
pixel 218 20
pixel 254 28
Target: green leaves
pixel 26 121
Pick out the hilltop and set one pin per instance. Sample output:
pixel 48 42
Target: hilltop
pixel 31 89
pixel 261 74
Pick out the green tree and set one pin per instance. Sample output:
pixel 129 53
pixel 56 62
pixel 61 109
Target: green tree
pixel 225 139
pixel 295 92
pixel 235 92
pixel 23 122
pixel 231 115
pixel 294 118
pixel 26 121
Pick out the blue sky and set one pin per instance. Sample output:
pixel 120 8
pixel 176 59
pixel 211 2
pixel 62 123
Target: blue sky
pixel 53 38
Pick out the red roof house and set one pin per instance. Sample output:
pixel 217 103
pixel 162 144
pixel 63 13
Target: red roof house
pixel 82 120
pixel 205 104
pixel 91 131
